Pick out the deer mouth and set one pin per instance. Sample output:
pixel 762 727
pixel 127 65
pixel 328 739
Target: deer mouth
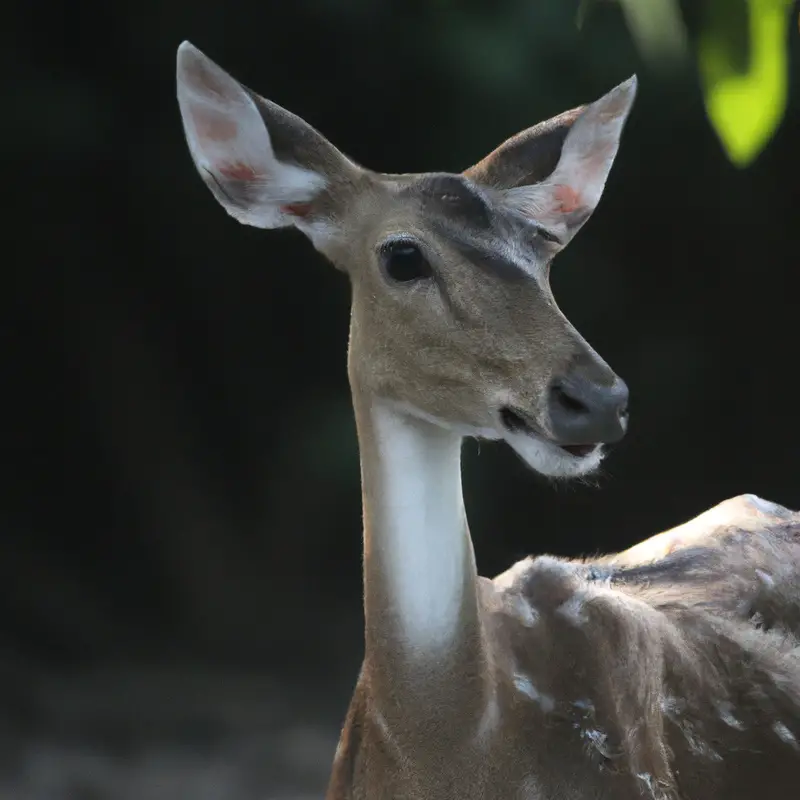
pixel 514 422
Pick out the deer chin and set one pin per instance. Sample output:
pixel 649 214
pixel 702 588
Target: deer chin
pixel 543 454
pixel 551 459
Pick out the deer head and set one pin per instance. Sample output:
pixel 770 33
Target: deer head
pixel 453 318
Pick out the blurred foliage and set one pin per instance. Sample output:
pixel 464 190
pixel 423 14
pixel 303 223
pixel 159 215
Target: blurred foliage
pixel 657 28
pixel 745 97
pixel 742 55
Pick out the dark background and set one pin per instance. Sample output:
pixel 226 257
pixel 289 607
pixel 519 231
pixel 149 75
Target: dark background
pixel 180 518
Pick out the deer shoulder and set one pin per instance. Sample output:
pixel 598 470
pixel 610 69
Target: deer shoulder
pixel 676 661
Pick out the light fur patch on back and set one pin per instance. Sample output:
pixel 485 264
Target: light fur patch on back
pixel 573 610
pixel 525 685
pixel 785 735
pixel 490 718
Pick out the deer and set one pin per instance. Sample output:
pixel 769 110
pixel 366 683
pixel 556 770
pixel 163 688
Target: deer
pixel 669 670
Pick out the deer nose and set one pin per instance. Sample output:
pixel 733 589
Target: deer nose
pixel 583 411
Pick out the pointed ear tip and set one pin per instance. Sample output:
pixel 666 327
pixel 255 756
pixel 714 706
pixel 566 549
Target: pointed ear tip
pixel 194 70
pixel 630 85
pixel 621 97
pixel 188 56
pixel 186 48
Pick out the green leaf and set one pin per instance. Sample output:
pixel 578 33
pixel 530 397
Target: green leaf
pixel 743 61
pixel 584 6
pixel 657 29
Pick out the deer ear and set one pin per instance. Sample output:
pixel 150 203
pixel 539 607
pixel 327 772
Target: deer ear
pixel 556 171
pixel 266 167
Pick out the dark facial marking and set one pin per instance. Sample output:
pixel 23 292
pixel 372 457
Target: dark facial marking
pixel 483 255
pixel 455 311
pixel 451 196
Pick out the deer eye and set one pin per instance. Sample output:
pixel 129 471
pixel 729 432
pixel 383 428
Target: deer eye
pixel 403 261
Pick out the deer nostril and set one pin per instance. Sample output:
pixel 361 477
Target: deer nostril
pixel 584 411
pixel 568 402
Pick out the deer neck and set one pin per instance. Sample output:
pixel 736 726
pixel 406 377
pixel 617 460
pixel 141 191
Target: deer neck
pixel 420 580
